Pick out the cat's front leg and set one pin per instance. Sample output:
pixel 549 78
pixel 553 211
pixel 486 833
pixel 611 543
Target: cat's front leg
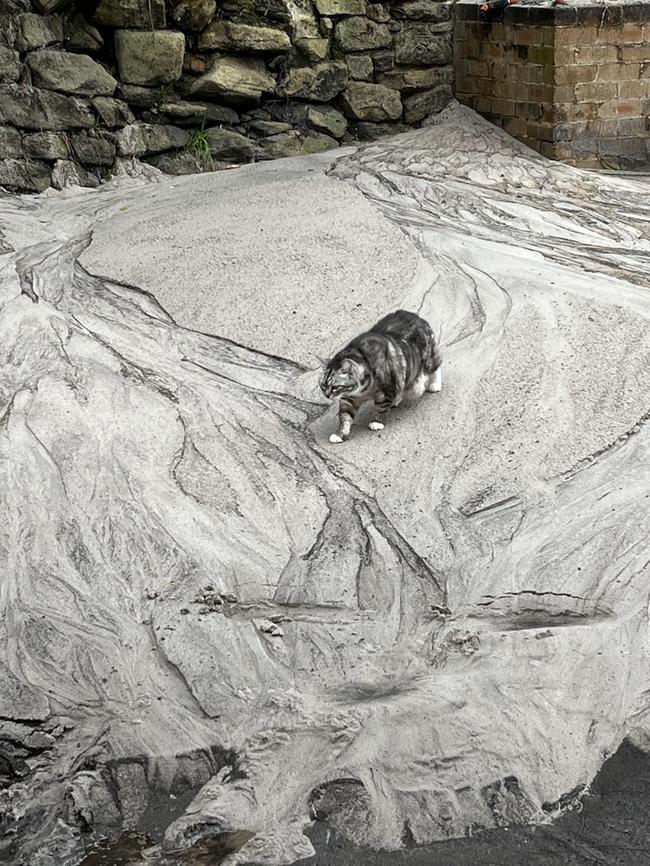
pixel 347 411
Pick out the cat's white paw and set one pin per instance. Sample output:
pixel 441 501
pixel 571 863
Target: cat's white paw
pixel 434 387
pixel 335 438
pixel 375 425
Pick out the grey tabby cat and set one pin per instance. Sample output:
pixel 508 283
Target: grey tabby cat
pixel 397 357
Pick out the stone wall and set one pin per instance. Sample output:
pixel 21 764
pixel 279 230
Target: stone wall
pixel 199 84
pixel 571 82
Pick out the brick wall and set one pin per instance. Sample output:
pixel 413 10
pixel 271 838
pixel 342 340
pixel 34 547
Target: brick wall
pixel 571 82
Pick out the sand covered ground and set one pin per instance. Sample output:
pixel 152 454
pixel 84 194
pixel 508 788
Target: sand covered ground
pixel 435 629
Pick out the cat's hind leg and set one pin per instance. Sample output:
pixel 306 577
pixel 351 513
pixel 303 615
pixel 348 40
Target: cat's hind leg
pixel 435 381
pixel 418 387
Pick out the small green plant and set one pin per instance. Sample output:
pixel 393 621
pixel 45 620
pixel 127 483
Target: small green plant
pixel 199 146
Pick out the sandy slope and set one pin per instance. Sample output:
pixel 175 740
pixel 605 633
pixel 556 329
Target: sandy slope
pixel 459 604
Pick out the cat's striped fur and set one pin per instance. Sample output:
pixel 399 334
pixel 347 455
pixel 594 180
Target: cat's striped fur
pixel 397 357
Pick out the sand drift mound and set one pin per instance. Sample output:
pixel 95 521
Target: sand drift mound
pixel 439 628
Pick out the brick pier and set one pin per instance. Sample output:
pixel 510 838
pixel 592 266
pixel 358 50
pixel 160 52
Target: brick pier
pixel 571 82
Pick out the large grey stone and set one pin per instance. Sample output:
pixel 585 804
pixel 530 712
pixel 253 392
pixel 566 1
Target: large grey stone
pixel 229 146
pixel 422 10
pixel 303 23
pixel 407 79
pixel 140 97
pixel 139 139
pixel 264 128
pixel 327 119
pixel 49 6
pixel 47 145
pixel 319 83
pixel 423 45
pixel 371 102
pixel 24 175
pixel 419 105
pixel 11 145
pixel 67 173
pixel 30 108
pixel 313 49
pixel 9 64
pixel 235 79
pixel 197 113
pixel 70 73
pixel 112 112
pixel 148 14
pixel 288 111
pixel 317 142
pixel 282 145
pixel 79 35
pixel 379 12
pixel 366 131
pixel 360 67
pixel 179 162
pixel 149 57
pixel 37 31
pixel 93 147
pixel 341 7
pixel 230 36
pixel 361 34
pixel 193 15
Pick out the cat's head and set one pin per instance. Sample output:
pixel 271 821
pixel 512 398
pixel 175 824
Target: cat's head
pixel 343 377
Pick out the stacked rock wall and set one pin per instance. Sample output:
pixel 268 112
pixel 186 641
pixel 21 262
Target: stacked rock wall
pixel 198 84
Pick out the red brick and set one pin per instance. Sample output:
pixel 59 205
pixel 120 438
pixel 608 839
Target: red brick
pixel 577 111
pixel 618 72
pixel 632 32
pixel 515 126
pixel 528 110
pixel 504 107
pixel 466 50
pixel 620 108
pixel 609 36
pixel 596 54
pixel 595 90
pixel 574 74
pixel 547 149
pixel 477 67
pixel 632 89
pixel 542 54
pixel 565 56
pixel 541 92
pixel 509 89
pixel 492 51
pixel 628 108
pixel 639 52
pixel 564 93
pixel 577 36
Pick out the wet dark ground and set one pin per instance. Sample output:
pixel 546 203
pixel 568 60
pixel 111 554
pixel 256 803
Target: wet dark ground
pixel 611 829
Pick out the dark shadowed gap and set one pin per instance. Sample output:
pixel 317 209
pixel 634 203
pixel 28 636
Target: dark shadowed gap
pixel 612 829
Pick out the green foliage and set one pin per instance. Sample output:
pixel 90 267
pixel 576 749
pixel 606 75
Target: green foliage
pixel 199 147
